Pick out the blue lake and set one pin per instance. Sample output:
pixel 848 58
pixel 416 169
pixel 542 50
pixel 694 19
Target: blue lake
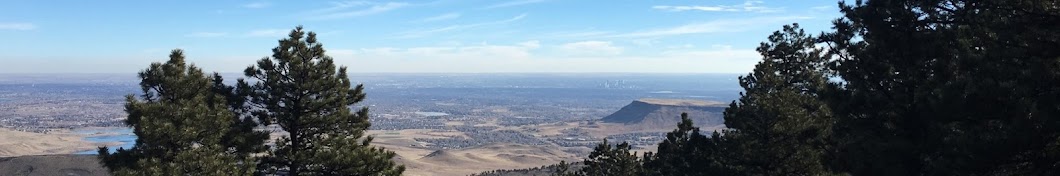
pixel 123 135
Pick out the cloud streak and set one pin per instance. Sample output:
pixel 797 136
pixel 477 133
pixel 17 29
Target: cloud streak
pixel 206 34
pixel 728 25
pixel 447 16
pixel 345 10
pixel 747 6
pixel 17 26
pixel 423 33
pixel 267 33
pixel 527 57
pixel 257 5
pixel 591 48
pixel 512 3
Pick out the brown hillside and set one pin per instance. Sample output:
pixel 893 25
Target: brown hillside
pixel 72 165
pixel 487 157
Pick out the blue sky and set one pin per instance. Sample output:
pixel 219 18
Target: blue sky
pixel 688 36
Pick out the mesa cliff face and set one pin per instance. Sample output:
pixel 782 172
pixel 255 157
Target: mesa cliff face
pixel 666 113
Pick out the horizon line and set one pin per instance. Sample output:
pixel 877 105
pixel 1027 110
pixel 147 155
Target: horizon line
pixel 64 73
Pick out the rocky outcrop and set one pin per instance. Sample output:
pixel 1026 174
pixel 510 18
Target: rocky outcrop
pixel 666 113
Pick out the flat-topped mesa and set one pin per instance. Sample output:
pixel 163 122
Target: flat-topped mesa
pixel 666 113
pixel 680 102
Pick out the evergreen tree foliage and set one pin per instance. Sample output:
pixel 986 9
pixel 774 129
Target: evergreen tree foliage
pixel 242 138
pixel 687 152
pixel 181 127
pixel 300 89
pixel 612 160
pixel 935 87
pixel 948 87
pixel 781 126
pixel 563 169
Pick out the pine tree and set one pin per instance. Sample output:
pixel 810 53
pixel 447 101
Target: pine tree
pixel 948 87
pixel 180 126
pixel 687 152
pixel 611 160
pixel 300 89
pixel 781 125
pixel 936 87
pixel 562 169
pixel 242 138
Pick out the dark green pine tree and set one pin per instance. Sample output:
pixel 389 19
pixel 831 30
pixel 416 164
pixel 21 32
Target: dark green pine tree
pixel 948 87
pixel 687 152
pixel 781 125
pixel 300 89
pixel 180 126
pixel 242 138
pixel 612 160
pixel 562 169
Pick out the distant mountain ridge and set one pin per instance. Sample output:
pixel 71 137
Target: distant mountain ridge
pixel 666 113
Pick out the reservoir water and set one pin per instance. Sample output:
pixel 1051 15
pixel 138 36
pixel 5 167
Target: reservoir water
pixel 124 136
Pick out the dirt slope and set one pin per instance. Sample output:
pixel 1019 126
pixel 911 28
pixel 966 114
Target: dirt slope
pixel 17 143
pixel 68 165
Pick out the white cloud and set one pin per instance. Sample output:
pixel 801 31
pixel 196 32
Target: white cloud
pixel 645 41
pixel 577 34
pixel 722 47
pixel 701 8
pixel 17 26
pixel 513 3
pixel 521 50
pixel 206 34
pixel 267 33
pixel 339 10
pixel 533 44
pixel 590 48
pixel 727 25
pixel 441 17
pixel 747 6
pixel 257 5
pixel 685 46
pixel 341 52
pixel 822 8
pixel 337 6
pixel 524 57
pixel 427 32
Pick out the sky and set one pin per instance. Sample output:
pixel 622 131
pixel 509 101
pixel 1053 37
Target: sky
pixel 438 36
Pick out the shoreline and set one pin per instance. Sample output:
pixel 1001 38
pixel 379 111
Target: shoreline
pixel 111 137
pixel 84 140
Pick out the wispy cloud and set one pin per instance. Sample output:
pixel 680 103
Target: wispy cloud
pixel 206 34
pixel 17 26
pixel 591 48
pixel 267 33
pixel 727 25
pixel 337 6
pixel 441 17
pixel 747 6
pixel 512 51
pixel 257 5
pixel 822 8
pixel 527 57
pixel 512 3
pixel 577 34
pixel 346 9
pixel 422 33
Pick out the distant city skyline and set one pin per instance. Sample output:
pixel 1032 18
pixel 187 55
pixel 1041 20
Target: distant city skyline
pixel 443 36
